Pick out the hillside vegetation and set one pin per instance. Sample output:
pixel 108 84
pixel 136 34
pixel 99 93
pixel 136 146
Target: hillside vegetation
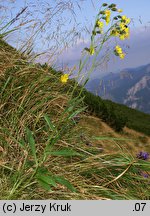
pixel 54 147
pixel 117 115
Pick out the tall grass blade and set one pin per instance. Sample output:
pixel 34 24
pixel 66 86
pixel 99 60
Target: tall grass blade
pixel 111 138
pixel 49 123
pixel 31 143
pixel 22 143
pixel 64 152
pixel 6 33
pixel 76 113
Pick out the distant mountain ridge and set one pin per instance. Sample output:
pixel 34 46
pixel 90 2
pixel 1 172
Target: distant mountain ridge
pixel 130 87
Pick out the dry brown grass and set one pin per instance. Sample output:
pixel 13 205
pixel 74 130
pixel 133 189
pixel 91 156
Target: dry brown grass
pixel 93 126
pixel 29 92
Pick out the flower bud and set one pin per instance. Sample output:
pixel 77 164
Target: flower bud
pixel 120 10
pixel 87 49
pixel 99 32
pixel 119 16
pixel 115 18
pixel 112 6
pixel 104 4
pixel 114 9
pixel 101 12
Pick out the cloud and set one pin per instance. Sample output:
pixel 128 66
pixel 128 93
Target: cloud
pixel 73 54
pixel 137 49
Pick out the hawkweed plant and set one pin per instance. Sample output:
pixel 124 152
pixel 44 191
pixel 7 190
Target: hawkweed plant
pixel 42 144
pixel 101 33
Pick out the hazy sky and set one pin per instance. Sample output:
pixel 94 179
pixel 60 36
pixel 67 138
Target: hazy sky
pixel 138 53
pixel 139 42
pixel 132 8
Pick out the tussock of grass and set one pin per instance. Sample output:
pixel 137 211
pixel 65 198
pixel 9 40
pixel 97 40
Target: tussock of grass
pixel 37 113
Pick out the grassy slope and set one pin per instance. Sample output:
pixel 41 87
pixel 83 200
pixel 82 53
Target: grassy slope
pixel 137 120
pixel 108 111
pixel 29 92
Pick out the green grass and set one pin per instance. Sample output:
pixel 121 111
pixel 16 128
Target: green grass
pixel 41 152
pixel 136 120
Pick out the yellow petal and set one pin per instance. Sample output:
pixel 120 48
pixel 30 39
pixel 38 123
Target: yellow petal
pixel 64 78
pixel 122 37
pixel 92 50
pixel 107 13
pixel 118 49
pixel 122 55
pixel 100 24
pixel 107 20
pixel 120 10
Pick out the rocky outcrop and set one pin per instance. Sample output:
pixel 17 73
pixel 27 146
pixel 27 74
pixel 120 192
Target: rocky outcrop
pixel 130 87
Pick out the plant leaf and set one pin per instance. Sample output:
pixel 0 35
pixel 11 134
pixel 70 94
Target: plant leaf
pixel 64 152
pixel 63 181
pixel 51 143
pixel 42 170
pixel 49 123
pixel 47 179
pixel 44 185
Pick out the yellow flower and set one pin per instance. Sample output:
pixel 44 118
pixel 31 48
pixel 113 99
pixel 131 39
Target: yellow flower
pixel 118 49
pixel 122 37
pixel 107 20
pixel 119 52
pixel 127 32
pixel 120 10
pixel 64 78
pixel 125 19
pixel 128 35
pixel 107 12
pixel 122 26
pixel 99 24
pixel 92 50
pixel 114 32
pixel 122 55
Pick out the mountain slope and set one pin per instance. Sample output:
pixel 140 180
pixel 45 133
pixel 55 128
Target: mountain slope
pixel 117 115
pixel 130 87
pixel 53 147
pixel 138 96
